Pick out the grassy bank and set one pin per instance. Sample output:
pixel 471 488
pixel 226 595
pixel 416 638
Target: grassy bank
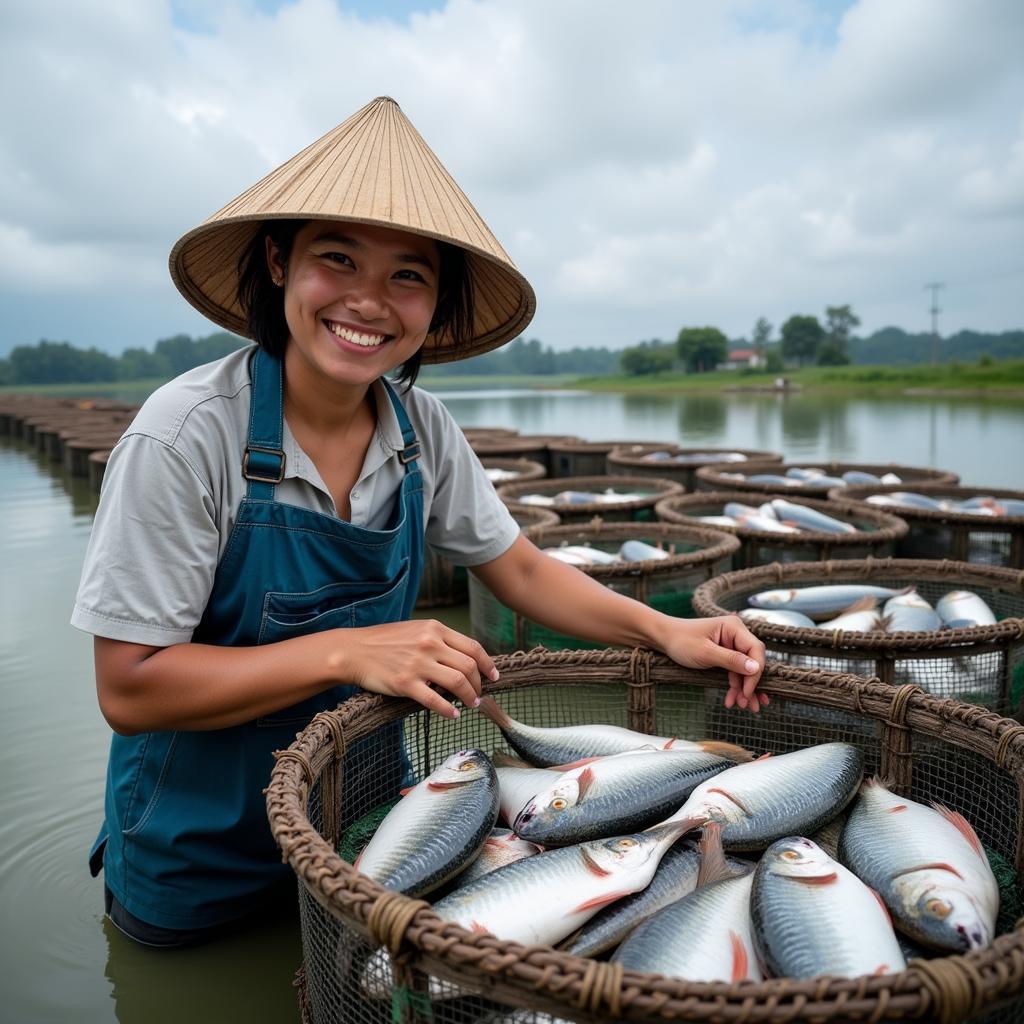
pixel 999 379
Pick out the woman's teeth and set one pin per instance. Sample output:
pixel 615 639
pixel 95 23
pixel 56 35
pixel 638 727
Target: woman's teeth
pixel 356 337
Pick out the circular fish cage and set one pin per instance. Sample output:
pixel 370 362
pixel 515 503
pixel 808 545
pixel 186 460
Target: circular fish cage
pixel 940 533
pixel 650 491
pixel 326 785
pixel 443 583
pixel 876 535
pixel 635 459
pixel 581 458
pixel 513 470
pixel 724 478
pixel 522 446
pixel 982 665
pixel 484 433
pixel 666 584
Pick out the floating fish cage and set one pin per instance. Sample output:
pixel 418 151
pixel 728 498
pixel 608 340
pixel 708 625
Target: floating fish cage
pixel 521 446
pixel 877 532
pixel 941 533
pixel 326 786
pixel 667 584
pixel 443 583
pixel 648 490
pixel 507 471
pixel 723 477
pixel 485 433
pixel 982 665
pixel 682 464
pixel 581 458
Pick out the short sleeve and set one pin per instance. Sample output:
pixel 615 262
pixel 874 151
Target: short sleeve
pixel 467 522
pixel 152 555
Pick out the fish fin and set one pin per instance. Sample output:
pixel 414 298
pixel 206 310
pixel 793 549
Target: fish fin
pixel 963 826
pixel 730 751
pixel 740 963
pixel 828 879
pixel 881 903
pixel 592 866
pixel 731 798
pixel 584 781
pixel 570 765
pixel 600 901
pixel 713 866
pixel 406 790
pixel 763 757
pixel 491 709
pixel 668 746
pixel 477 927
pixel 936 866
pixel 503 759
pixel 882 969
pixel 864 604
pixel 897 809
pixel 355 863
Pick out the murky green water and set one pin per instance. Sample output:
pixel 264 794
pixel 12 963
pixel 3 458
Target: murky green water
pixel 60 962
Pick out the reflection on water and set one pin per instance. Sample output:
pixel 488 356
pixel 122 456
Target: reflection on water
pixel 60 962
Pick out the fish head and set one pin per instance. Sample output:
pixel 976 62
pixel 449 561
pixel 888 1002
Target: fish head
pixel 550 806
pixel 949 918
pixel 772 598
pixel 800 859
pixel 638 854
pixel 460 768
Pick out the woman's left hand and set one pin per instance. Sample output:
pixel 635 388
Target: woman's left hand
pixel 723 642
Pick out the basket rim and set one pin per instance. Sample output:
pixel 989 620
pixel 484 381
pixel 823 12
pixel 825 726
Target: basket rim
pixel 713 474
pixel 659 487
pixel 776 574
pixel 890 526
pixel 854 498
pixel 562 980
pixel 622 455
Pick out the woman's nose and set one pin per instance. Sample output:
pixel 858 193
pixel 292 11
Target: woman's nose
pixel 366 297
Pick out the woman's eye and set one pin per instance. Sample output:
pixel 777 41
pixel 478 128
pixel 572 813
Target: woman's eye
pixel 338 257
pixel 410 275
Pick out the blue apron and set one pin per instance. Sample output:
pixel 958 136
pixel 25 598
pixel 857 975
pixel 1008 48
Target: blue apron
pixel 186 843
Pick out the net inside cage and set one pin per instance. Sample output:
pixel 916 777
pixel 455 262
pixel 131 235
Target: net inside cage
pixel 346 979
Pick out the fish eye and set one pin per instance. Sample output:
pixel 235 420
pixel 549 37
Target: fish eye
pixel 789 855
pixel 938 908
pixel 559 803
pixel 467 765
pixel 628 844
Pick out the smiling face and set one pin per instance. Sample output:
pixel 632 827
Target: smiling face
pixel 358 299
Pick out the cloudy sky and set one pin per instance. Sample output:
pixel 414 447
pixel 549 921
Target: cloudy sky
pixel 648 165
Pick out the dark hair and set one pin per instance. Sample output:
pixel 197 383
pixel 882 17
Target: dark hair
pixel 262 301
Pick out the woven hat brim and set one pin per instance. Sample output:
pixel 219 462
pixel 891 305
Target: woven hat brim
pixel 374 168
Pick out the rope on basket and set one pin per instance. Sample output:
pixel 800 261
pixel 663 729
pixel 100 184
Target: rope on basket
pixel 956 988
pixel 300 759
pixel 640 692
pixel 390 917
pixel 331 797
pixel 601 983
pixel 897 752
pixel 1004 743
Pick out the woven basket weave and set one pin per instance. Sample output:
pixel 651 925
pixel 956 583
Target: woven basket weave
pixel 931 749
pixel 992 540
pixel 982 664
pixel 666 584
pixel 638 509
pixel 717 478
pixel 630 459
pixel 877 531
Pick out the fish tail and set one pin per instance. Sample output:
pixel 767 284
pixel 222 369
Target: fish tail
pixel 864 604
pixel 491 709
pixel 730 751
pixel 713 865
pixel 503 759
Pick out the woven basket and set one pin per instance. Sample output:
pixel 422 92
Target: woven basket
pixel 488 433
pixel 931 749
pixel 666 584
pixel 716 478
pixel 638 510
pixel 522 446
pixel 525 469
pixel 982 665
pixel 443 583
pixel 877 531
pixel 581 458
pixel 990 540
pixel 631 459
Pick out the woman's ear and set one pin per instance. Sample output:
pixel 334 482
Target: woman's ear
pixel 274 263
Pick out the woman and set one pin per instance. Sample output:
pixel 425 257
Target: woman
pixel 258 545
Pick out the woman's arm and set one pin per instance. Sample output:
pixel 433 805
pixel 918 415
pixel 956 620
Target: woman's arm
pixel 562 598
pixel 202 686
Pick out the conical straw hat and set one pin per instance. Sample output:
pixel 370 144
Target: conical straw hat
pixel 373 168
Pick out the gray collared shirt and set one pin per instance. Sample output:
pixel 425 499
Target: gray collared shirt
pixel 173 485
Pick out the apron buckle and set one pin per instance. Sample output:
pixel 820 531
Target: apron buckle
pixel 260 469
pixel 409 453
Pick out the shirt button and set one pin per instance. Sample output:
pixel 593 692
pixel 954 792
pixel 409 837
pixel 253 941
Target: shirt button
pixel 355 494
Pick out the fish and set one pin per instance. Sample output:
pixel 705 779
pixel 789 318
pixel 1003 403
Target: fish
pixel 960 608
pixel 774 796
pixel 501 847
pixel 819 602
pixel 499 476
pixel 569 557
pixel 704 936
pixel 440 825
pixel 927 864
pixel 615 795
pixel 778 618
pixel 812 916
pixel 858 476
pixel 737 509
pixel 910 612
pixel 814 477
pixel 544 500
pixel 765 524
pixel 809 518
pixel 800 473
pixel 891 478
pixel 910 499
pixel 640 551
pixel 576 497
pixel 766 478
pixel 519 784
pixel 583 554
pixel 567 745
pixel 861 617
pixel 717 520
pixel 612 497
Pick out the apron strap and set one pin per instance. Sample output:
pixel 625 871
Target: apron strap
pixel 263 461
pixel 411 452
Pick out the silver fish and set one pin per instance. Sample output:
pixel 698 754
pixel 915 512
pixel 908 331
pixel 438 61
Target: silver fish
pixel 706 935
pixel 779 618
pixel 759 802
pixel 812 916
pixel 737 509
pixel 437 828
pixel 717 520
pixel 927 864
pixel 544 500
pixel 501 847
pixel 960 608
pixel 566 745
pixel 582 554
pixel 809 518
pixel 910 612
pixel 519 784
pixel 857 476
pixel 639 551
pixel 861 617
pixel 910 499
pixel 615 795
pixel 819 602
pixel 769 478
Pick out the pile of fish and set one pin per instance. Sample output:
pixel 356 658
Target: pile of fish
pixel 609 496
pixel 596 861
pixel 497 475
pixel 979 505
pixel 629 551
pixel 777 516
pixel 797 476
pixel 855 608
pixel 685 457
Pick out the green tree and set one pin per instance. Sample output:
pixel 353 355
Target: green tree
pixel 644 359
pixel 839 322
pixel 140 364
pixel 59 362
pixel 801 336
pixel 761 337
pixel 774 363
pixel 702 348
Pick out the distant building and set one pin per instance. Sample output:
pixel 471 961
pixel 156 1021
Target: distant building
pixel 741 358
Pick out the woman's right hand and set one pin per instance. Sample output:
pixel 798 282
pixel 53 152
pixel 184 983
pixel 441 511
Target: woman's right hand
pixel 407 659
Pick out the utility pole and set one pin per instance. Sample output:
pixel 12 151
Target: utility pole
pixel 935 286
